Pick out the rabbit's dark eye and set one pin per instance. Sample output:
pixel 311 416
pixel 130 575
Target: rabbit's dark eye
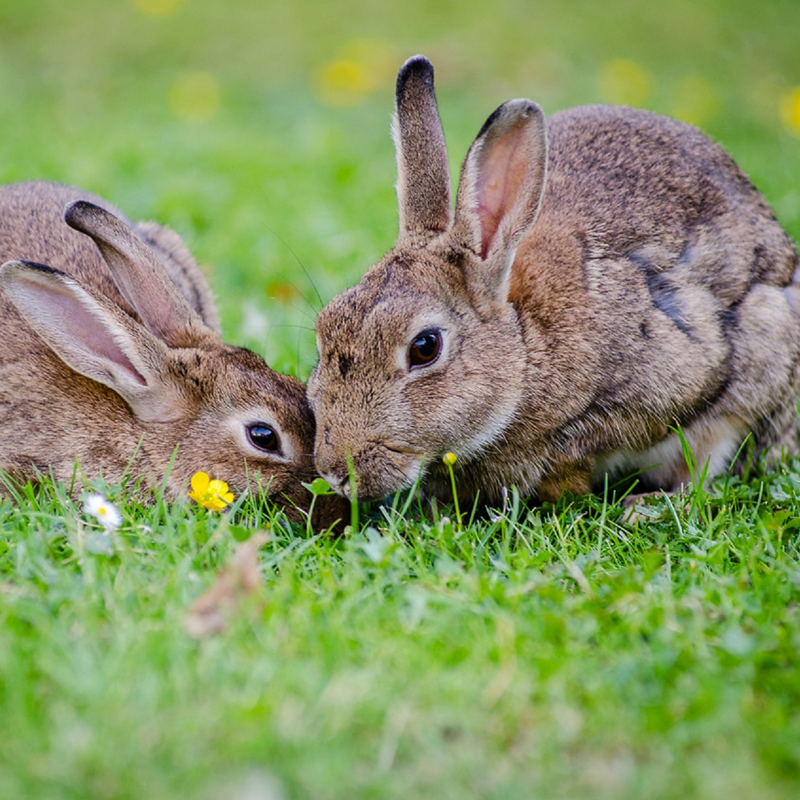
pixel 263 438
pixel 425 349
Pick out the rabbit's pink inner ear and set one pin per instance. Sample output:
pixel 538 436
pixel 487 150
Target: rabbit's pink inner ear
pixel 504 167
pixel 95 338
pixel 78 336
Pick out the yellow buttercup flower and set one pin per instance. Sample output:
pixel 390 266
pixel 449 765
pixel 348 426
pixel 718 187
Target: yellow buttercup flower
pixel 450 458
pixel 210 494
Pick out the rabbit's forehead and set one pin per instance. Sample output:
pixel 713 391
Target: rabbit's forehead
pixel 389 298
pixel 256 404
pixel 388 318
pixel 239 381
pixel 281 397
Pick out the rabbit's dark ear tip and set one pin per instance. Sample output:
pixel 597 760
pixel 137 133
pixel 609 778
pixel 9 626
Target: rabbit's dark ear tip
pixel 77 214
pixel 78 206
pixel 21 267
pixel 415 67
pixel 76 210
pixel 511 110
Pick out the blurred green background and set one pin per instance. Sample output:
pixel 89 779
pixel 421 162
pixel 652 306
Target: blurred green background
pixel 260 130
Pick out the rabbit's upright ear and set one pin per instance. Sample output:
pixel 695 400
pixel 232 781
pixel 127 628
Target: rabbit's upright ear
pixel 139 275
pixel 423 174
pixel 501 187
pixel 94 337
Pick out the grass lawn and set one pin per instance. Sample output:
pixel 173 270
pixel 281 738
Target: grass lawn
pixel 545 653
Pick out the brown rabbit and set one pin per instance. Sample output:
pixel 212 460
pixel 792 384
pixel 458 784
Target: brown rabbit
pixel 111 357
pixel 606 276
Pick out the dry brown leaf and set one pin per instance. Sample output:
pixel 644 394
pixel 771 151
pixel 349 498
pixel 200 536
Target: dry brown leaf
pixel 240 578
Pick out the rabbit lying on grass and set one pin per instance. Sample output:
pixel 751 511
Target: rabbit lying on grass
pixel 607 275
pixel 110 356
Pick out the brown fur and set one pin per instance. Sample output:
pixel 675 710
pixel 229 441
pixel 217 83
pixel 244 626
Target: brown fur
pixel 642 284
pixel 169 381
pixel 173 254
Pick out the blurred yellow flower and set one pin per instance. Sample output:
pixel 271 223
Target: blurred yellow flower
pixel 790 111
pixel 695 100
pixel 624 82
pixel 195 97
pixel 210 494
pixel 157 8
pixel 449 459
pixel 343 83
pixel 378 56
pixel 282 290
pixel 361 67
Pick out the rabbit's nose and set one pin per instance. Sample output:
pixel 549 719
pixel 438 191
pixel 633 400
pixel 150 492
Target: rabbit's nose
pixel 330 466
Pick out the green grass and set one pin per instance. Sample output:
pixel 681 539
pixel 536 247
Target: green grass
pixel 547 653
pixel 551 652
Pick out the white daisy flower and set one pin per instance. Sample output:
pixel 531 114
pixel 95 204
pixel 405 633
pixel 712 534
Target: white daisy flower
pixel 104 511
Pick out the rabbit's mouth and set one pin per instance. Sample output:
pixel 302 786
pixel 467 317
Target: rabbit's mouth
pixel 403 449
pixel 379 469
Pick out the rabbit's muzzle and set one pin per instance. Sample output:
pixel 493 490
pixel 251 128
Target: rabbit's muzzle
pixel 374 469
